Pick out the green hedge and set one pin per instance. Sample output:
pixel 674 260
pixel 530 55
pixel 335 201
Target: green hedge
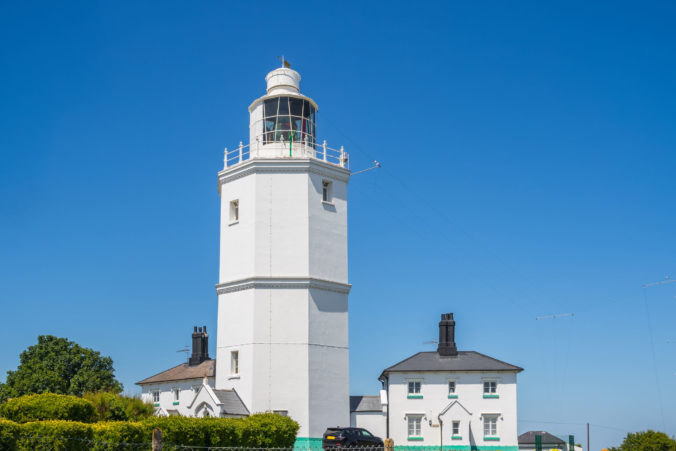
pixel 259 430
pixel 114 407
pixel 56 435
pixel 48 406
pixel 9 430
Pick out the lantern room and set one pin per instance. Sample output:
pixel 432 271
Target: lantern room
pixel 282 123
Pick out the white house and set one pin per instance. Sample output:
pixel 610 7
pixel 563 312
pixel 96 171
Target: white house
pixel 447 398
pixel 187 389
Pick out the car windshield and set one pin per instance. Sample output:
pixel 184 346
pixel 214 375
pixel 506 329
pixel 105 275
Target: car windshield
pixel 366 433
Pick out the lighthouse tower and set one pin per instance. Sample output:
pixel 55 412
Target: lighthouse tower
pixel 283 283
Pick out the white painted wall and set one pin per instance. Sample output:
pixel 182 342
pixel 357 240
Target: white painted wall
pixel 283 291
pixel 469 388
pixel 374 422
pixel 186 394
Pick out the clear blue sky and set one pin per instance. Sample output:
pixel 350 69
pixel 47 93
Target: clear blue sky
pixel 529 168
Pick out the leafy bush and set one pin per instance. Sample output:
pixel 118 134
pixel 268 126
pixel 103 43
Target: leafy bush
pixel 647 441
pixel 56 435
pixel 48 406
pixel 8 433
pixel 113 407
pixel 108 435
pixel 260 430
pixel 267 430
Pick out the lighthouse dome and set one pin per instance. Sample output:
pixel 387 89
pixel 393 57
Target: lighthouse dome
pixel 283 80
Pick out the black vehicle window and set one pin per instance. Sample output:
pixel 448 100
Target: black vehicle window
pixel 366 433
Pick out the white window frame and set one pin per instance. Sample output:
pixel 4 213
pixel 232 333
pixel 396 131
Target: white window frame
pixel 495 384
pixel 411 420
pixel 488 419
pixel 327 191
pixel 454 393
pixel 234 211
pixel 413 382
pixel 176 392
pixel 234 362
pixel 455 428
pixel 156 395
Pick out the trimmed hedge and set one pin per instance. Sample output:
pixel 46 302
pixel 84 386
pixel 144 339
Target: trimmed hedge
pixel 48 406
pixel 259 430
pixel 57 435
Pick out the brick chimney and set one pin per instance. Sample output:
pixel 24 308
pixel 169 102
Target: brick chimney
pixel 200 346
pixel 447 346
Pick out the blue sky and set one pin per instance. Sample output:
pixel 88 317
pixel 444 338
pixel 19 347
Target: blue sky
pixel 528 169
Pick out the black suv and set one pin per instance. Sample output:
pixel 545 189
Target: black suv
pixel 350 437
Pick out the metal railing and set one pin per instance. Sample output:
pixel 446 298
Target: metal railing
pixel 321 152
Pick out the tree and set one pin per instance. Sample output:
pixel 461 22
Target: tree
pixel 647 441
pixel 60 366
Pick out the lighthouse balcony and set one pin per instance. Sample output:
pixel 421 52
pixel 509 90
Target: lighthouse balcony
pixel 285 149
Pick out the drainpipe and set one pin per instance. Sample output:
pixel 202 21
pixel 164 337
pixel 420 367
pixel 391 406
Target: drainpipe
pixel 386 385
pixel 441 433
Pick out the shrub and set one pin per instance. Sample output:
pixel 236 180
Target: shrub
pixel 108 436
pixel 114 407
pixel 9 430
pixel 56 435
pixel 260 430
pixel 267 430
pixel 48 406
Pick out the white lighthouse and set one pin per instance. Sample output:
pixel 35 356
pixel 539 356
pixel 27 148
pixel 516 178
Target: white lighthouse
pixel 283 282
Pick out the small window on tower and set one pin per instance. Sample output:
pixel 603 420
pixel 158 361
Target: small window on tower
pixel 326 191
pixel 234 211
pixel 234 363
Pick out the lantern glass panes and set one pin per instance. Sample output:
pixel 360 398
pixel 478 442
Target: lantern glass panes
pixel 288 119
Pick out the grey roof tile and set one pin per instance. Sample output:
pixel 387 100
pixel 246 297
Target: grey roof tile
pixel 365 404
pixel 528 438
pixel 232 403
pixel 464 361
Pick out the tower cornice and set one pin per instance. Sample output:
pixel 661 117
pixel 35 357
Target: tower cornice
pixel 283 165
pixel 282 282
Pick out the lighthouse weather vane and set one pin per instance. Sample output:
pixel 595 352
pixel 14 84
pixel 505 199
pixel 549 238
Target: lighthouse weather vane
pixel 285 63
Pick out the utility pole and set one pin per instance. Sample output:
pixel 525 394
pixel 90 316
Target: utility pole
pixel 587 436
